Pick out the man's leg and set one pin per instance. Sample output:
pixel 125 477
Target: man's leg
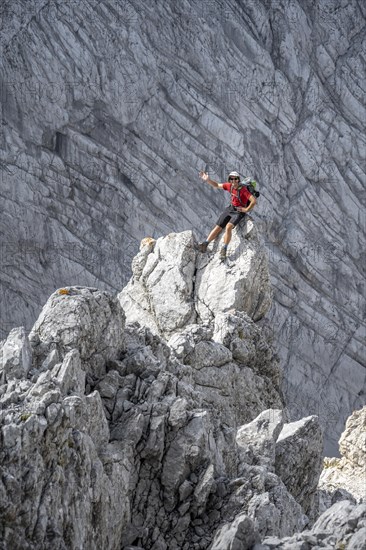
pixel 202 247
pixel 214 233
pixel 220 224
pixel 228 233
pixel 227 239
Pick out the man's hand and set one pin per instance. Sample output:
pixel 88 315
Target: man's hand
pixel 251 205
pixel 211 182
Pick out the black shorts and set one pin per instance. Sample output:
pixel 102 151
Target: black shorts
pixel 230 214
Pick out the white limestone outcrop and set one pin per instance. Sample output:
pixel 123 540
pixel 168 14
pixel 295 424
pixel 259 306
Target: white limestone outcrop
pixel 349 471
pixel 170 272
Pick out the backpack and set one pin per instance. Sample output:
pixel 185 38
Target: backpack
pixel 251 185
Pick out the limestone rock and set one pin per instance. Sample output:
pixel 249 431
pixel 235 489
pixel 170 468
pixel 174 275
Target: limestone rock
pixel 238 535
pixel 248 343
pixel 94 443
pixel 299 450
pixel 341 519
pixel 170 290
pixel 342 525
pixel 275 512
pixel 139 261
pixel 161 293
pixel 325 499
pixel 85 319
pixel 241 283
pixel 142 449
pixel 184 342
pixel 234 367
pixel 235 393
pixel 69 374
pixel 256 440
pixel 15 355
pixel 209 354
pixel 352 444
pixel 164 446
pixel 264 498
pixel 348 472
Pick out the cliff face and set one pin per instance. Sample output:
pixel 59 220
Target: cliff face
pixel 109 111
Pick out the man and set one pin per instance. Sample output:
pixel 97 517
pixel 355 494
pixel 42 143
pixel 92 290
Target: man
pixel 242 201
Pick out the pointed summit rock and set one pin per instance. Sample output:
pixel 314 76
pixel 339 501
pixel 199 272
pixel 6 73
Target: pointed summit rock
pixel 173 285
pixel 241 282
pixel 160 292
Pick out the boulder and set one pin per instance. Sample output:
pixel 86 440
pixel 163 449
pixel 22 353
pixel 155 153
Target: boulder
pixel 263 497
pixel 241 283
pixel 299 451
pixel 86 319
pixel 15 356
pixel 341 526
pixel 240 534
pixel 348 472
pixel 161 289
pixel 172 286
pixel 257 440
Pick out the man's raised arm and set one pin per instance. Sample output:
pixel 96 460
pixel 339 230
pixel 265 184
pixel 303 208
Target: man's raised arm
pixel 214 184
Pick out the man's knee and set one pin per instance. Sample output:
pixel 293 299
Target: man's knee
pixel 229 227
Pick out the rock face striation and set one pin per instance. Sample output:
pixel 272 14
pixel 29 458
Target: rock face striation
pixel 111 108
pixel 160 435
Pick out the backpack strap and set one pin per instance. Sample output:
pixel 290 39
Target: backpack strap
pixel 237 195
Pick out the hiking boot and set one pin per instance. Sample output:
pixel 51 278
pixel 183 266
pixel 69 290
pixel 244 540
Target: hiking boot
pixel 202 247
pixel 223 253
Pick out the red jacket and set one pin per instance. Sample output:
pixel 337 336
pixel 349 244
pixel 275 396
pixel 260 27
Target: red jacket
pixel 235 193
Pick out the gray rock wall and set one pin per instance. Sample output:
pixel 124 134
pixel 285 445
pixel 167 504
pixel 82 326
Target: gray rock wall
pixel 109 111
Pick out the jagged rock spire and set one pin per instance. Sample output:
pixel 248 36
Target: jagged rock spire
pixel 173 285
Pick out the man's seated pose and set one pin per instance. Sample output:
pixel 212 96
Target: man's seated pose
pixel 242 201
